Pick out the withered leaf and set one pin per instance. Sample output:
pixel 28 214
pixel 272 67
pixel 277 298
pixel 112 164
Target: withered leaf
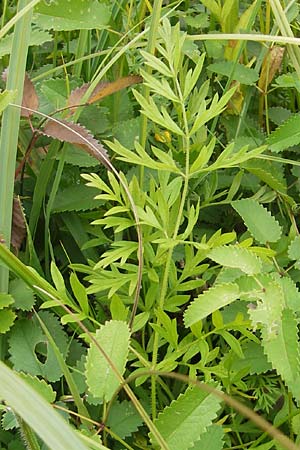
pixel 77 134
pixel 30 98
pixel 271 64
pixel 103 89
pixel 18 228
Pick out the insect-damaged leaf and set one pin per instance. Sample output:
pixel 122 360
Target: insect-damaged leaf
pixel 77 135
pixel 103 89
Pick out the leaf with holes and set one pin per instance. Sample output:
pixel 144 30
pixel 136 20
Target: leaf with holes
pixel 30 350
pixel 101 378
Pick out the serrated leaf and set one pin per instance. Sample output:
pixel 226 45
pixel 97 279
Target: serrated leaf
pixel 286 135
pixel 183 422
pixel 5 300
pixel 255 359
pixel 294 248
pixel 7 318
pixel 291 293
pixel 76 198
pixel 40 386
pixel 113 338
pixel 238 72
pixel 283 351
pixel 9 421
pixel 269 172
pixel 212 439
pixel 76 157
pixel 102 90
pixel 33 409
pixel 23 296
pixel 71 15
pixel 210 301
pixel 27 341
pixel 123 419
pixel 259 221
pixel 236 257
pixel 77 135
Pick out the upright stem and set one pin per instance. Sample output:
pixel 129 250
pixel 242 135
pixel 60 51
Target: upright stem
pixel 156 13
pixel 10 129
pixel 164 288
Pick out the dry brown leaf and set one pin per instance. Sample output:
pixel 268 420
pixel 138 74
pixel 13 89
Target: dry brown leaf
pixel 103 89
pixel 271 65
pixel 77 134
pixel 18 228
pixel 30 98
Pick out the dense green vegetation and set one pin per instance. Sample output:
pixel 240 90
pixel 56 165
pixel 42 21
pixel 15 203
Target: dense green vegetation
pixel 149 240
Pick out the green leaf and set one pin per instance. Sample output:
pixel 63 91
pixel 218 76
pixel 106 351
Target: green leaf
pixel 37 37
pixel 212 439
pixel 261 224
pixel 23 296
pixel 286 135
pixel 127 132
pixel 211 300
pixel 80 293
pixel 283 352
pixel 113 339
pixel 123 419
pixel 6 97
pixel 183 422
pixel 70 15
pixel 269 172
pixel 5 300
pixel 294 248
pixel 27 343
pixel 40 386
pixel 33 409
pixel 7 318
pixel 235 71
pixel 76 198
pixel 236 257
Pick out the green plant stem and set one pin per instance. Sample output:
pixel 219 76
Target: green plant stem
pixel 58 174
pixel 28 436
pixel 10 129
pixel 164 288
pixel 80 51
pixel 146 91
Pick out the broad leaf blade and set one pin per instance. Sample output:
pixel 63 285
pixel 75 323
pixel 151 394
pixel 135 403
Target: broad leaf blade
pixel 236 257
pixel 211 300
pixel 187 418
pixel 113 339
pixel 259 221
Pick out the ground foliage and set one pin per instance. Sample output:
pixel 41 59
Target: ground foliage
pixel 155 225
